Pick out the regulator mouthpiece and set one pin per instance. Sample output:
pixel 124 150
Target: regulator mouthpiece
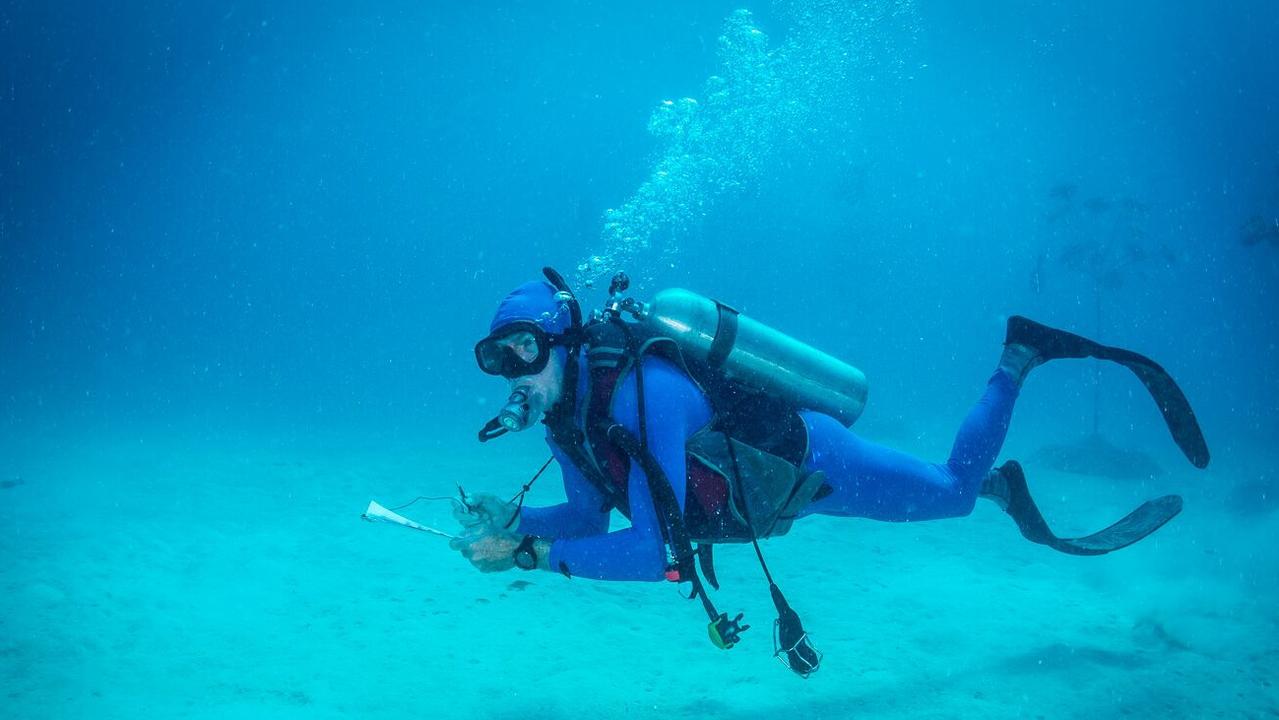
pixel 515 416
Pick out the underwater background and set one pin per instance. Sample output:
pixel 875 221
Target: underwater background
pixel 246 251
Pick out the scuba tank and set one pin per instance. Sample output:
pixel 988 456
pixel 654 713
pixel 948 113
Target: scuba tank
pixel 756 355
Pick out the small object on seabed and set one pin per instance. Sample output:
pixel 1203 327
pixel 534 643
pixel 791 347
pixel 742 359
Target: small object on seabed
pixel 11 483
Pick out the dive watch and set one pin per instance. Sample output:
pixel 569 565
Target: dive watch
pixel 525 554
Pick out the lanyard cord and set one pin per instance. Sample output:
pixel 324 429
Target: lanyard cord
pixel 519 496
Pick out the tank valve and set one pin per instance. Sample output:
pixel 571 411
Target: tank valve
pixel 621 282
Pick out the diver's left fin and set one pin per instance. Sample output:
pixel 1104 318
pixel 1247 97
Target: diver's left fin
pixel 1052 344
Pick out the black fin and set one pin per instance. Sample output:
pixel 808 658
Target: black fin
pixel 1014 496
pixel 1053 344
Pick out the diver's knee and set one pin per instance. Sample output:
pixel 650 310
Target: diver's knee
pixel 955 506
pixel 958 501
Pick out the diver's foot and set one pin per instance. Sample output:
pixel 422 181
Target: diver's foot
pixel 995 486
pixel 1018 360
pixel 1028 344
pixel 1048 342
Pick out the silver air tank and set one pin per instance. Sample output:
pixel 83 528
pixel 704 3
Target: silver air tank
pixel 757 355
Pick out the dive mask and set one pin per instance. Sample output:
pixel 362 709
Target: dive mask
pixel 515 350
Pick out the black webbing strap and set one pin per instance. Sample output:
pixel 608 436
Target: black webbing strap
pixel 667 507
pixel 566 435
pixel 725 336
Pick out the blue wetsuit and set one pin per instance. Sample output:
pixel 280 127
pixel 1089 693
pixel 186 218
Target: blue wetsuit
pixel 866 479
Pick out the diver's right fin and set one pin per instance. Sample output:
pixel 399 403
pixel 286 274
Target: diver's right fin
pixel 1053 344
pixel 1007 487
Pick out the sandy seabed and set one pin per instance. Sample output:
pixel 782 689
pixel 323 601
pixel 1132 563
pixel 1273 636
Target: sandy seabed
pixel 165 577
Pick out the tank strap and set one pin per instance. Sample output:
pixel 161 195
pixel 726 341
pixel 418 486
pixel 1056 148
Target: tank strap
pixel 725 336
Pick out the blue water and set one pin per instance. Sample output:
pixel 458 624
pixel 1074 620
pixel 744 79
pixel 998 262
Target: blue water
pixel 245 252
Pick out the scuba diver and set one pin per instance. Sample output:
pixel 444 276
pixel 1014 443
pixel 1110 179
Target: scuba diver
pixel 702 426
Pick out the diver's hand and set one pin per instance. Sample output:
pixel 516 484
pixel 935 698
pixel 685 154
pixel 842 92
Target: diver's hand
pixel 484 513
pixel 492 551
